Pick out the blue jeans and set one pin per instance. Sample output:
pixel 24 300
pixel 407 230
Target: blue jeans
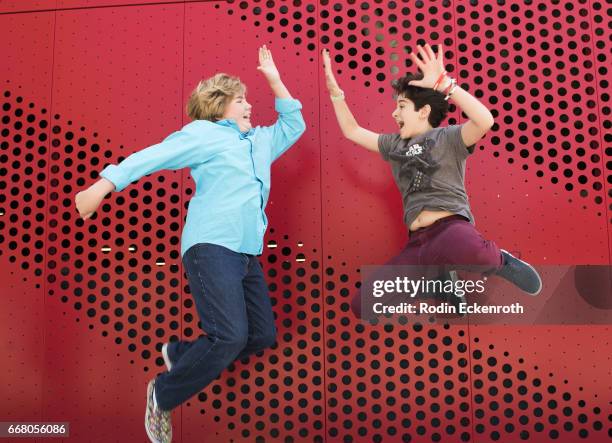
pixel 231 298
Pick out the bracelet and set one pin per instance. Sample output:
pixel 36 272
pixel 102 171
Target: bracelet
pixel 440 78
pixel 452 89
pixel 448 88
pixel 337 98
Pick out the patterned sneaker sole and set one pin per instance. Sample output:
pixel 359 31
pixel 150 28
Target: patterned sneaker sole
pixel 147 413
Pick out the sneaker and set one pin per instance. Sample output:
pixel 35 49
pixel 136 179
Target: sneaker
pixel 157 422
pixel 167 361
pixel 520 273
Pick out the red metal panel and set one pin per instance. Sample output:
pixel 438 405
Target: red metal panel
pixel 534 67
pixel 115 281
pixel 103 313
pixel 12 6
pixel 601 53
pixel 25 98
pixel 540 166
pixel 84 4
pixel 548 382
pixel 16 6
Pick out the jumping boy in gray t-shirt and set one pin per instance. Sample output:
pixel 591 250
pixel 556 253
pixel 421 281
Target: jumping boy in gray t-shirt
pixel 428 165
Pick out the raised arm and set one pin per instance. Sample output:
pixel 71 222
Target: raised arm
pixel 349 126
pixel 180 149
pixel 290 124
pixel 432 66
pixel 270 71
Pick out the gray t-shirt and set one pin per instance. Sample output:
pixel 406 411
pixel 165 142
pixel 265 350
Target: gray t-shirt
pixel 429 170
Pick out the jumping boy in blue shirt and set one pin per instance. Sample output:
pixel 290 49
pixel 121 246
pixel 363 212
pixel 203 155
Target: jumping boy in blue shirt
pixel 230 163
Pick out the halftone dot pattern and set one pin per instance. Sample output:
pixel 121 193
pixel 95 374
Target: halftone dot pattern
pixel 292 20
pixel 601 15
pixel 109 292
pixel 121 274
pixel 382 382
pixel 371 38
pixel 23 313
pixel 23 163
pixel 392 381
pixel 23 154
pixel 107 273
pixel 420 373
pixel 290 274
pixel 139 229
pixel 515 397
pixel 374 39
pixel 532 64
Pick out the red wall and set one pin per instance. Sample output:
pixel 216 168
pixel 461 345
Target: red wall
pixel 85 83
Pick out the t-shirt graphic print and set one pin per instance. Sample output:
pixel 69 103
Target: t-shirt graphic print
pixel 429 170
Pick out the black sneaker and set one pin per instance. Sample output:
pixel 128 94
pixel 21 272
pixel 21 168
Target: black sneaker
pixel 521 274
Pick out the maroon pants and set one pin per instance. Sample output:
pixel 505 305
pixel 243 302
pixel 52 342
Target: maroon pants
pixel 450 243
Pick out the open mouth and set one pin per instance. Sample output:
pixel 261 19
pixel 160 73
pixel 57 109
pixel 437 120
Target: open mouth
pixel 400 124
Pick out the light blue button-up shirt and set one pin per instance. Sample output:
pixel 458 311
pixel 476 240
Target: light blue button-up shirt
pixel 231 171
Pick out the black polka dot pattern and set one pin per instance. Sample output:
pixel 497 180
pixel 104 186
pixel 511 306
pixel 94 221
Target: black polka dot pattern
pixel 541 67
pixel 533 65
pixel 124 276
pixel 23 154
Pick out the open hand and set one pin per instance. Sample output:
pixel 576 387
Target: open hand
pixel 430 64
pixel 330 79
pixel 267 66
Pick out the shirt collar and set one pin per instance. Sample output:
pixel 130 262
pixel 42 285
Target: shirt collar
pixel 231 123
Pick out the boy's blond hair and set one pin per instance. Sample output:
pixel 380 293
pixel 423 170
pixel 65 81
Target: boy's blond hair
pixel 209 98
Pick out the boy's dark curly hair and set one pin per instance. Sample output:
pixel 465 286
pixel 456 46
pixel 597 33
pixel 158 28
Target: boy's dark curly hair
pixel 421 97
